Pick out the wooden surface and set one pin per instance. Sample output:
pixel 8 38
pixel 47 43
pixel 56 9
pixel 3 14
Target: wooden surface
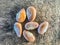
pixel 48 10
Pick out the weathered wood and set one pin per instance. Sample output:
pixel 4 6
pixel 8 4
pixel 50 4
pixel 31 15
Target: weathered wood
pixel 48 10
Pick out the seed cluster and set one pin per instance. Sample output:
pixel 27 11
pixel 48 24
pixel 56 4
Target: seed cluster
pixel 30 13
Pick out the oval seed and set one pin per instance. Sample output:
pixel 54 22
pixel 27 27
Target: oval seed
pixel 31 25
pixel 21 15
pixel 43 27
pixel 18 29
pixel 31 13
pixel 28 36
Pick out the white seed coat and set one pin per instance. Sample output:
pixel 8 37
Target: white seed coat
pixel 17 30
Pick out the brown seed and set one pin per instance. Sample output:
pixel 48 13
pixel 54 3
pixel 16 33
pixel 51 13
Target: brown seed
pixel 31 13
pixel 18 29
pixel 21 15
pixel 31 25
pixel 28 36
pixel 43 27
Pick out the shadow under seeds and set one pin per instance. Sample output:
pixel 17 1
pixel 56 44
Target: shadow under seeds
pixel 10 21
pixel 59 35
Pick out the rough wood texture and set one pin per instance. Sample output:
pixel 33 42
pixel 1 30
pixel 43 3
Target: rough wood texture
pixel 48 10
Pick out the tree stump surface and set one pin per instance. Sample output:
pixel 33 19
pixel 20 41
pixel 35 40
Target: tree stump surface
pixel 47 10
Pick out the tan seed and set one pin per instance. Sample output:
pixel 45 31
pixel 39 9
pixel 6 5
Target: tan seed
pixel 21 15
pixel 31 25
pixel 18 29
pixel 28 36
pixel 43 27
pixel 31 13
